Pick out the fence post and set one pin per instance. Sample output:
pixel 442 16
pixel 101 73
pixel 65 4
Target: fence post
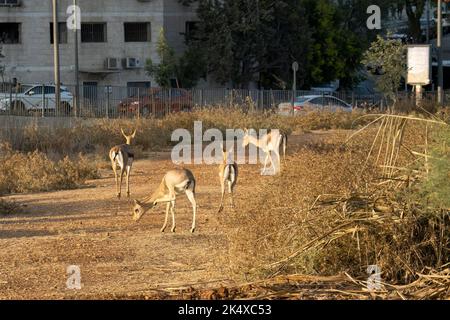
pixel 10 98
pixel 43 100
pixel 107 101
pixel 139 103
pixel 170 100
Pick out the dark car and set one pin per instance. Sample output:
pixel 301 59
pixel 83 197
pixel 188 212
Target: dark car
pixel 156 102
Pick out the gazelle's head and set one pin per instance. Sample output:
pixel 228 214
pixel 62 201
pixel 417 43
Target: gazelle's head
pixel 245 139
pixel 128 137
pixel 139 209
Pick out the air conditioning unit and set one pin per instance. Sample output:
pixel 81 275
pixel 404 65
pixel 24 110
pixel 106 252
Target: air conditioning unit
pixel 112 63
pixel 132 63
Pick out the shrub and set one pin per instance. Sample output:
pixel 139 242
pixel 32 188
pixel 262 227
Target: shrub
pixel 34 171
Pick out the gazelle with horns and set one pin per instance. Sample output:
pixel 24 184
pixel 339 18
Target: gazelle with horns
pixel 122 156
pixel 269 142
pixel 175 182
pixel 228 173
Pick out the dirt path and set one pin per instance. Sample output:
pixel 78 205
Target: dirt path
pixel 90 228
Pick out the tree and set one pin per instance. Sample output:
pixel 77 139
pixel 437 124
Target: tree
pixel 257 40
pixel 166 69
pixel 414 11
pixel 389 56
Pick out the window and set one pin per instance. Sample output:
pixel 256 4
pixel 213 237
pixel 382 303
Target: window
pixel 138 86
pixel 62 32
pixel 137 31
pixel 93 32
pixel 35 90
pixel 317 101
pixel 9 2
pixel 50 90
pixel 191 29
pixel 9 33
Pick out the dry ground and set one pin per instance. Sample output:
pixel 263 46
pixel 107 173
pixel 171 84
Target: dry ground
pixel 118 258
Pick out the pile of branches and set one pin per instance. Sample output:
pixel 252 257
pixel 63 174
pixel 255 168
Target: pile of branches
pixel 388 225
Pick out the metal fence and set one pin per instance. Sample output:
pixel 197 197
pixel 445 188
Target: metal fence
pixel 136 102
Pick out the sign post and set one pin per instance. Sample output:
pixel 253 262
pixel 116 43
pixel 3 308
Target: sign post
pixel 419 68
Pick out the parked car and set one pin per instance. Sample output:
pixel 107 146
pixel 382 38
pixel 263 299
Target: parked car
pixel 156 102
pixel 31 98
pixel 313 102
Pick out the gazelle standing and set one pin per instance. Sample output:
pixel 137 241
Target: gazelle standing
pixel 269 142
pixel 175 182
pixel 122 156
pixel 228 173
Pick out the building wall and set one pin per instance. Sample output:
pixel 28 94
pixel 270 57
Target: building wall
pixel 31 61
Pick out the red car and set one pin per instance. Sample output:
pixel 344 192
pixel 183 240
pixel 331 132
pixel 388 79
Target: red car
pixel 156 102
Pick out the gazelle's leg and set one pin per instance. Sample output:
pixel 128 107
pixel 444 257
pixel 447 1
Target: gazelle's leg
pixel 265 162
pixel 222 185
pixel 167 215
pixel 114 167
pixel 230 191
pixel 128 180
pixel 278 159
pixel 122 171
pixel 172 210
pixel 191 198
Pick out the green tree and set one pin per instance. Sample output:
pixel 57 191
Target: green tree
pixel 257 40
pixel 389 57
pixel 167 66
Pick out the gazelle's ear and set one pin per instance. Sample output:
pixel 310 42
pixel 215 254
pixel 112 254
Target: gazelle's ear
pixel 245 130
pixel 135 202
pixel 134 133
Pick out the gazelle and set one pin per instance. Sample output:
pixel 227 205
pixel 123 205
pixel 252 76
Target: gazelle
pixel 123 156
pixel 269 142
pixel 228 173
pixel 175 182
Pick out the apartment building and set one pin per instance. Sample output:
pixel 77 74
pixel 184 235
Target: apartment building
pixel 115 40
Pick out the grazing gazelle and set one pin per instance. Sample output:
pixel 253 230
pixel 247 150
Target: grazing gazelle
pixel 123 156
pixel 269 142
pixel 228 173
pixel 175 182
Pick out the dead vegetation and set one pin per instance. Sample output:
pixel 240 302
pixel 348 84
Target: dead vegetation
pixel 344 205
pixel 35 171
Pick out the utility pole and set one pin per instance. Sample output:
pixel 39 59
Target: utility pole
pixel 77 79
pixel 56 55
pixel 439 52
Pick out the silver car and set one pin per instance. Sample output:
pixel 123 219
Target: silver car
pixel 313 102
pixel 35 98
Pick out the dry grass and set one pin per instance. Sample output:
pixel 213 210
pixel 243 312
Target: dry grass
pixel 333 210
pixel 97 136
pixel 35 171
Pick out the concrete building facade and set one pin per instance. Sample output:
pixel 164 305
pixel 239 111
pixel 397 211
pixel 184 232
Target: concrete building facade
pixel 115 40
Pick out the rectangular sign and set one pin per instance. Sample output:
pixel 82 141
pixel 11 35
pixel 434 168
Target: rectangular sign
pixel 419 65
